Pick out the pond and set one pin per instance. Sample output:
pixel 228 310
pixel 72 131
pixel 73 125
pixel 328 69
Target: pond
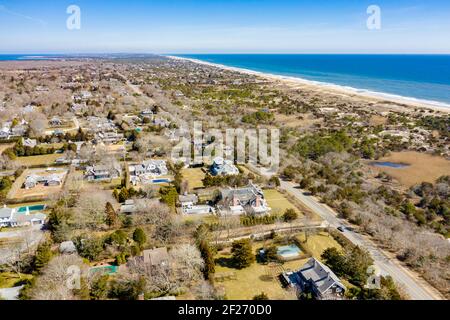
pixel 388 164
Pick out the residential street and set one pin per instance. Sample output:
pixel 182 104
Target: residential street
pixel 416 288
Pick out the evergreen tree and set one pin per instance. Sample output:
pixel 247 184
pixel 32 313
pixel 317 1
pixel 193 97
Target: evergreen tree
pixel 111 215
pixel 242 252
pixel 43 255
pixel 140 237
pixel 208 257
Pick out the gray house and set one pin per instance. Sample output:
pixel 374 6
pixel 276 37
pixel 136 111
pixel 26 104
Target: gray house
pixel 317 279
pixel 52 180
pixel 249 200
pixel 102 173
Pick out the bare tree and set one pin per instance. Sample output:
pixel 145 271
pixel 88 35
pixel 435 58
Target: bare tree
pixel 37 123
pixel 54 283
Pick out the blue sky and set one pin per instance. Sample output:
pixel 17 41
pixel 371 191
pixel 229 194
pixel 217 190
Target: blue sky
pixel 225 26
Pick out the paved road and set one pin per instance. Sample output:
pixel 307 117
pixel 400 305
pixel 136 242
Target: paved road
pixel 416 288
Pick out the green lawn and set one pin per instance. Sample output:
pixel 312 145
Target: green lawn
pixel 278 202
pixel 318 243
pixel 10 280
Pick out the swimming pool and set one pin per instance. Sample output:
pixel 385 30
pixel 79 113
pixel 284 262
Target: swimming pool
pixel 39 207
pixel 291 251
pixel 105 269
pixel 161 181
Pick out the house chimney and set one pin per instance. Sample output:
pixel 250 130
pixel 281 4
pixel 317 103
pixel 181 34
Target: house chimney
pixel 258 201
pixel 235 200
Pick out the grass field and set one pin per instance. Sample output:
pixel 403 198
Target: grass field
pixel 10 280
pixel 44 160
pixel 318 243
pixel 5 146
pixel 278 202
pixel 423 167
pixel 194 176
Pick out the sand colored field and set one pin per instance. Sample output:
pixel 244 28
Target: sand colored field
pixel 296 122
pixel 44 160
pixel 17 191
pixel 278 202
pixel 376 120
pixel 5 146
pixel 194 176
pixel 423 167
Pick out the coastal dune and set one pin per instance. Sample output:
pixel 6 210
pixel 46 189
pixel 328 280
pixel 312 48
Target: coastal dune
pixel 389 101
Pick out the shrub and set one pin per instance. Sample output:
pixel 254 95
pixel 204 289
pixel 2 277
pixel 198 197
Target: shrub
pixel 290 215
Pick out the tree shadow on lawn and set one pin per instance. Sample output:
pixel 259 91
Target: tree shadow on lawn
pixel 226 263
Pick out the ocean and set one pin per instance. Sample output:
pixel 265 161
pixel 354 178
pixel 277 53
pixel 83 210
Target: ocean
pixel 418 77
pixel 15 57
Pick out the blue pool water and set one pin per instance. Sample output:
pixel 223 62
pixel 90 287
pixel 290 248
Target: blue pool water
pixel 423 77
pixel 105 270
pixel 288 251
pixel 390 164
pixel 161 181
pixel 39 207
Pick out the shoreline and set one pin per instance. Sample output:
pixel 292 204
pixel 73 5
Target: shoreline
pixel 401 101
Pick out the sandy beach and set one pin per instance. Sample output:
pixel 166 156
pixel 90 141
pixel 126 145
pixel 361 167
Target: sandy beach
pixel 394 101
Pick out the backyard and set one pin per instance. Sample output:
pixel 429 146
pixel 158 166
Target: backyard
pixel 194 176
pixel 246 283
pixel 263 277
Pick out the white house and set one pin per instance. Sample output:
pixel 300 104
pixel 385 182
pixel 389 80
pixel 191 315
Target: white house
pixel 147 170
pixel 11 217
